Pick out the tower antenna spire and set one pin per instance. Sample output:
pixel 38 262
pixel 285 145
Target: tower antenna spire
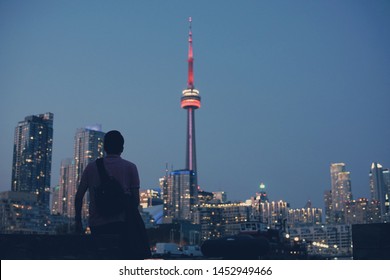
pixel 190 83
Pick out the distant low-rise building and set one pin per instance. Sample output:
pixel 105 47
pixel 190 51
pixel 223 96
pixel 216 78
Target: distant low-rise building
pixel 333 240
pixel 21 212
pixel 150 197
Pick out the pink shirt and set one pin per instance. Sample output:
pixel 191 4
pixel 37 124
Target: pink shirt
pixel 124 171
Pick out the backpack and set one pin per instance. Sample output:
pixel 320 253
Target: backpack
pixel 109 195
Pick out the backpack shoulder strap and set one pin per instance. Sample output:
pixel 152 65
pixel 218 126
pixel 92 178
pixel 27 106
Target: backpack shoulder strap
pixel 101 170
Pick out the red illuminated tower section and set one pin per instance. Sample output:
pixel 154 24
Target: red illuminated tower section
pixel 190 101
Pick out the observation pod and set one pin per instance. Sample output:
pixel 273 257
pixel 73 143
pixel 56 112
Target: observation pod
pixel 190 98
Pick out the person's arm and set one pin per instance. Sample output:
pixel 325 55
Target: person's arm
pixel 135 196
pixel 135 185
pixel 81 190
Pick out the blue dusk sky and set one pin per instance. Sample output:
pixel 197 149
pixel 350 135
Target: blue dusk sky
pixel 287 87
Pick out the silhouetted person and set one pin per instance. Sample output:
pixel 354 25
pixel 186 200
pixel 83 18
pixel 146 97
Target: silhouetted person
pixel 128 224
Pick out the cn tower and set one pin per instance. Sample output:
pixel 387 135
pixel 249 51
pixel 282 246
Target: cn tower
pixel 190 101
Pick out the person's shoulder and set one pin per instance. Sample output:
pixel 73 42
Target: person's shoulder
pixel 90 170
pixel 90 166
pixel 128 163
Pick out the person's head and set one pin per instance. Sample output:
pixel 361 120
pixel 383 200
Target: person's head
pixel 113 142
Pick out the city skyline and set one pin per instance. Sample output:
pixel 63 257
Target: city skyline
pixel 288 88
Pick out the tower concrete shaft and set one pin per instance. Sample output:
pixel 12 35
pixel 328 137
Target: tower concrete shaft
pixel 191 147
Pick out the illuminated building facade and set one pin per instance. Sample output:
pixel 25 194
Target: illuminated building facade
pixel 31 166
pixel 358 212
pixel 341 192
pixel 210 217
pixel 273 213
pixel 304 217
pixel 181 198
pixel 222 219
pixel 205 197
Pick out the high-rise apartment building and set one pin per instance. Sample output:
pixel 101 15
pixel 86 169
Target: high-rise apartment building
pixel 164 191
pixel 180 199
pixel 184 181
pixel 67 188
pixel 379 189
pixel 341 191
pixel 87 148
pixel 328 206
pixel 54 200
pixel 386 178
pixel 31 166
pixel 358 212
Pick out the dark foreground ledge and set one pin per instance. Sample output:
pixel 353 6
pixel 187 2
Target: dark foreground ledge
pixel 371 241
pixel 58 247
